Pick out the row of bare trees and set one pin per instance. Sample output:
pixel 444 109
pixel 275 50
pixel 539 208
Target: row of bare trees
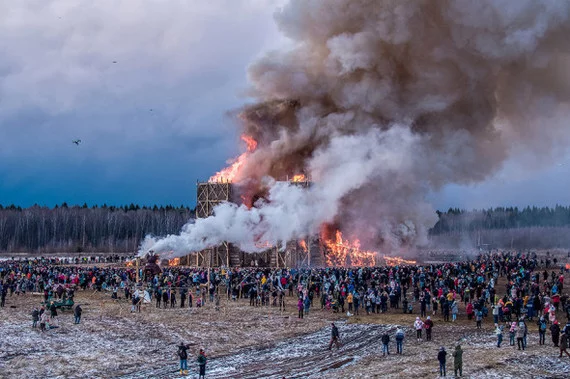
pixel 541 238
pixel 83 229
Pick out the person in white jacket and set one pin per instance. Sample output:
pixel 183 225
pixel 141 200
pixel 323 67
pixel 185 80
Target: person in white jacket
pixel 419 325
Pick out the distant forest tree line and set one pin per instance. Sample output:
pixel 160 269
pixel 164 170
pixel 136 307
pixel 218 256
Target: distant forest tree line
pixel 120 229
pixel 86 229
pixel 530 227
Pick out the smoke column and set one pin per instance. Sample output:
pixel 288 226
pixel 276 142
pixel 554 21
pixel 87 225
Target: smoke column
pixel 380 102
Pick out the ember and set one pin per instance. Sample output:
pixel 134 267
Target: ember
pixel 341 252
pixel 397 261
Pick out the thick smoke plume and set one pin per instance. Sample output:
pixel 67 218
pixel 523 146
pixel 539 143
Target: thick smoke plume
pixel 380 102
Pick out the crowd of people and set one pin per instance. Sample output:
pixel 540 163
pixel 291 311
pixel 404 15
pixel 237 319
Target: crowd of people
pixel 534 290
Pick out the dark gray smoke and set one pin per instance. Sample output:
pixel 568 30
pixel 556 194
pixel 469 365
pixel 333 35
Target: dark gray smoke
pixel 381 101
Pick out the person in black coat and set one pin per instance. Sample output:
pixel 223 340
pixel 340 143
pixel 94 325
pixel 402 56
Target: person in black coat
pixel 441 358
pixel 385 343
pixel 35 317
pixel 183 356
pixel 77 313
pixel 555 331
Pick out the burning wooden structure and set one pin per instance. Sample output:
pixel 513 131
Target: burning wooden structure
pixel 300 253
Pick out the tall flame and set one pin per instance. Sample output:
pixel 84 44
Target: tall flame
pixel 303 245
pixel 229 173
pixel 341 252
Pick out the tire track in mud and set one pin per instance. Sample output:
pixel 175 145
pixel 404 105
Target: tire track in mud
pixel 302 356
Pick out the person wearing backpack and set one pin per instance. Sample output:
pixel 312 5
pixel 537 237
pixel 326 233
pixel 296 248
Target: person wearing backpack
pixel 399 340
pixel 541 330
pixel 183 356
pixel 385 342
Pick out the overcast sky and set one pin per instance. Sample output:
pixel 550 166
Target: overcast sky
pixel 146 85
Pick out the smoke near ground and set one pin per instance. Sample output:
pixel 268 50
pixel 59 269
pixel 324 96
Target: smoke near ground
pixel 380 102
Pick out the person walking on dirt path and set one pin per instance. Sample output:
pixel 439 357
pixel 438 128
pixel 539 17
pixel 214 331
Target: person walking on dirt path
pixel 385 342
pixel 458 360
pixel 428 325
pixel 183 356
pixel 202 360
pixel 399 340
pixel 555 332
pixel 77 314
pixel 300 307
pixel 564 345
pixel 441 356
pixel 335 337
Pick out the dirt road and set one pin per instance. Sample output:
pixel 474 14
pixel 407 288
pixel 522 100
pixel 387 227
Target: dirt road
pixel 305 356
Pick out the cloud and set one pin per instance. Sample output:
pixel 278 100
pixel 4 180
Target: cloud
pixel 142 83
pixel 142 70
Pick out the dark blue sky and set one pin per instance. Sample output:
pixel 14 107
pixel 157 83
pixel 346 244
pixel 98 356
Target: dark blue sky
pixel 155 121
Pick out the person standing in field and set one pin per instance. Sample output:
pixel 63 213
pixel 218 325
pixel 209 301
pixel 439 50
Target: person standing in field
pixel 183 356
pixel 458 360
pixel 399 340
pixel 202 360
pixel 441 356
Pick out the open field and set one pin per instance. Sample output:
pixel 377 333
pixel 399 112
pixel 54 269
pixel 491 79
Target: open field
pixel 248 342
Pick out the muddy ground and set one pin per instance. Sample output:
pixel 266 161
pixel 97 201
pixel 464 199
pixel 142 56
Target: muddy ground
pixel 248 342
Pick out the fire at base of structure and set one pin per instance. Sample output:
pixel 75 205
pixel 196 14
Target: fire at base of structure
pixel 309 252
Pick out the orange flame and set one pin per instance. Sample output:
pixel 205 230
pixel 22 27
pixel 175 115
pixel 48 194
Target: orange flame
pixel 397 261
pixel 345 253
pixel 249 142
pixel 229 173
pixel 303 245
pixel 130 263
pixel 567 266
pixel 174 262
pixel 299 178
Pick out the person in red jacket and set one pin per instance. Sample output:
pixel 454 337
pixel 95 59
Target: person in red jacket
pixel 428 326
pixel 469 311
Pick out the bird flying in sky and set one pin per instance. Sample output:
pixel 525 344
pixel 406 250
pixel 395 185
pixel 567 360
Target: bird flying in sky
pixel 77 142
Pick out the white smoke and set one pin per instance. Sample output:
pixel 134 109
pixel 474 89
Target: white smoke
pixel 382 101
